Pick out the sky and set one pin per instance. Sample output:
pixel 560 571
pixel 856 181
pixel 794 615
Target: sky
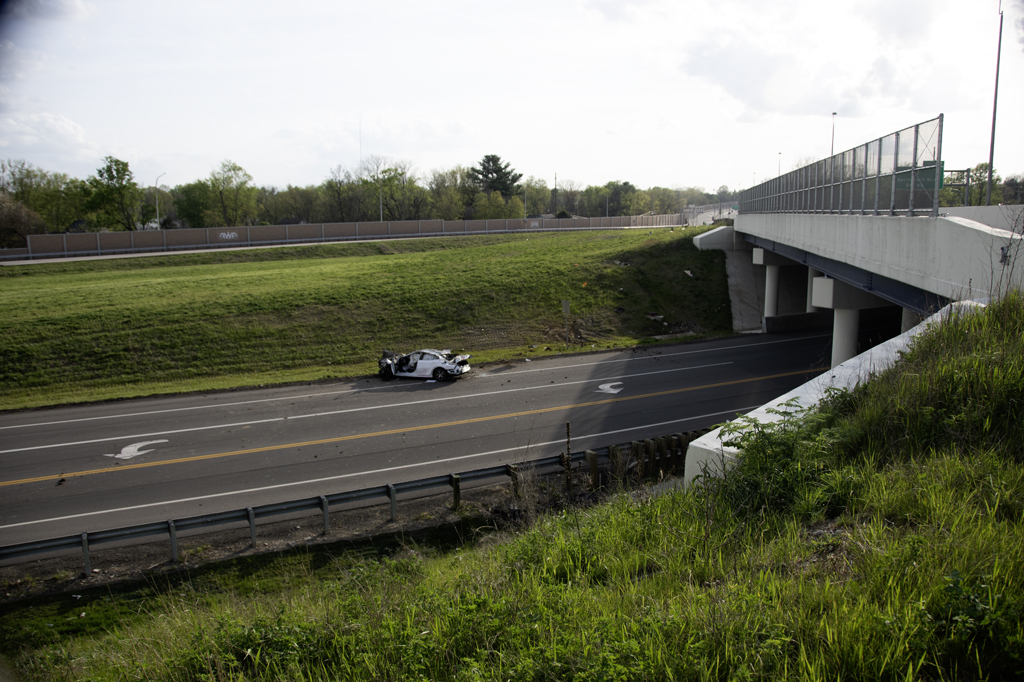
pixel 670 93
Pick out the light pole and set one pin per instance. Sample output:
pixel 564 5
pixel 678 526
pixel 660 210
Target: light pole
pixel 995 100
pixel 780 164
pixel 157 186
pixel 832 152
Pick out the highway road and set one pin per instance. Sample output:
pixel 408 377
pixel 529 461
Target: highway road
pixel 93 467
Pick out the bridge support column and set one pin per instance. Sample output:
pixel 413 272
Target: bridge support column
pixel 910 320
pixel 847 301
pixel 845 327
pixel 771 290
pixel 772 262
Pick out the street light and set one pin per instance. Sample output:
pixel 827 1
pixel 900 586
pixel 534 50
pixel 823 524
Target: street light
pixel 995 100
pixel 833 151
pixel 780 164
pixel 157 186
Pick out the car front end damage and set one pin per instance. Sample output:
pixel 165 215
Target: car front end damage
pixel 426 363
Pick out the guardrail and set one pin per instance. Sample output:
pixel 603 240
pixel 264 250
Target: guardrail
pixel 893 175
pixel 652 456
pixel 170 241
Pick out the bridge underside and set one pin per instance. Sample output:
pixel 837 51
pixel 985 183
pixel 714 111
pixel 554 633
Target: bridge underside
pixel 849 264
pixel 898 293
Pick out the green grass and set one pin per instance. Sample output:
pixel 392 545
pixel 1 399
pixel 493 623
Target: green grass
pixel 876 538
pixel 139 326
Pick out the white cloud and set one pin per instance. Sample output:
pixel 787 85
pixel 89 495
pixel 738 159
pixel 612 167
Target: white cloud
pixel 16 62
pixel 43 135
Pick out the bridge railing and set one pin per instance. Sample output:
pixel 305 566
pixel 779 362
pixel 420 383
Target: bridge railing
pixel 893 175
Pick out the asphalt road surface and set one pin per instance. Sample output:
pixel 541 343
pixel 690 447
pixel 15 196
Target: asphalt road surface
pixel 94 467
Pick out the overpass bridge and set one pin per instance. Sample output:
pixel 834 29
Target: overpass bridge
pixel 863 230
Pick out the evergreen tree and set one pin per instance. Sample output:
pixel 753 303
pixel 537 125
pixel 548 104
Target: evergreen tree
pixel 491 175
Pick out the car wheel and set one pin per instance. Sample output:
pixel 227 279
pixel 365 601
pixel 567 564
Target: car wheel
pixel 440 374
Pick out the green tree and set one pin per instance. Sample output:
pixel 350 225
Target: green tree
pixel 665 201
pixel 594 201
pixel 343 196
pixel 17 222
pixel 514 208
pixel 1013 189
pixel 168 215
pixel 234 197
pixel 493 206
pixel 115 196
pixel 194 202
pixel 390 190
pixel 979 185
pixel 536 195
pixel 636 202
pixel 449 190
pixel 269 208
pixel 491 175
pixel 56 198
pixel 570 192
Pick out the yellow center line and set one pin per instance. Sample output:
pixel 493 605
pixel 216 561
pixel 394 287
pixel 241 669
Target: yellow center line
pixel 391 432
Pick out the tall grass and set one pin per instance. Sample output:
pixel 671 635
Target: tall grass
pixel 829 552
pixel 117 328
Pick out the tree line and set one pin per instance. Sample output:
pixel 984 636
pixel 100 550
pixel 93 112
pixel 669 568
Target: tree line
pixel 36 201
pixel 969 188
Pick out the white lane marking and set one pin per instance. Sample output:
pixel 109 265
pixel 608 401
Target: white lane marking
pixel 656 357
pixel 481 375
pixel 503 391
pixel 376 471
pixel 129 451
pixel 141 435
pixel 607 388
pixel 363 409
pixel 195 407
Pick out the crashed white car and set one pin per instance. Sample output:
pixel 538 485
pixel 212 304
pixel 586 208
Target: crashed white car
pixel 427 363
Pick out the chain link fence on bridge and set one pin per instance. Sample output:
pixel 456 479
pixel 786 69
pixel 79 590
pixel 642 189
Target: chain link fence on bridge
pixel 893 175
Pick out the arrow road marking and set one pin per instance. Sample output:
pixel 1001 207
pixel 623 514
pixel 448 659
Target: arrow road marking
pixel 133 450
pixel 607 388
pixel 424 427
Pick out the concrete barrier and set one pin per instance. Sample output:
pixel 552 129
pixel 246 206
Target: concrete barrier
pixel 709 455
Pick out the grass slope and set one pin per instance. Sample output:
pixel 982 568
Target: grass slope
pixel 877 538
pixel 127 327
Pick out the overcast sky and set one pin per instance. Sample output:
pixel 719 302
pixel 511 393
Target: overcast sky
pixel 657 92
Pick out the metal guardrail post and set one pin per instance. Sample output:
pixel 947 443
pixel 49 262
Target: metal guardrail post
pixel 456 492
pixel 85 553
pixel 895 172
pixel 327 514
pixel 615 456
pixel 393 496
pixel 913 172
pixel 252 525
pixel 172 531
pixel 513 473
pixel 595 475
